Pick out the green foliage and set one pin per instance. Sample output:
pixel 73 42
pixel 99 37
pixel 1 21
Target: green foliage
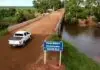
pixel 3 26
pixel 9 20
pixel 29 14
pixel 20 16
pixel 24 14
pixel 54 38
pixel 12 11
pixel 7 12
pixel 3 32
pixel 73 10
pixel 97 13
pixel 75 60
pixel 81 9
pixel 43 5
pixel 9 16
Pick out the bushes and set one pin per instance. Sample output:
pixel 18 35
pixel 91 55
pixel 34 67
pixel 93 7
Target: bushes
pixel 6 12
pixel 10 20
pixel 81 9
pixel 29 14
pixel 16 15
pixel 72 16
pixel 3 25
pixel 20 16
pixel 23 15
pixel 3 32
pixel 97 15
pixel 10 16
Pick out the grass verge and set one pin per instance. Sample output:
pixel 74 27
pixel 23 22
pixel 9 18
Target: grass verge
pixel 75 60
pixel 3 32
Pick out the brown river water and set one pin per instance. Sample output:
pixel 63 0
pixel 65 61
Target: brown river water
pixel 85 39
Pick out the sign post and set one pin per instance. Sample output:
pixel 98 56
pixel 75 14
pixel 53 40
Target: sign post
pixel 45 56
pixel 53 46
pixel 60 58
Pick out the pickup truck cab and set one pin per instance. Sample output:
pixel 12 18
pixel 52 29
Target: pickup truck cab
pixel 19 38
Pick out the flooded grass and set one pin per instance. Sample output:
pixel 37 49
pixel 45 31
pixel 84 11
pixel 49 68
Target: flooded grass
pixel 74 60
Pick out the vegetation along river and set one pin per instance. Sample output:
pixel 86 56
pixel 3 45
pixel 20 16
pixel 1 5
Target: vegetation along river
pixel 85 39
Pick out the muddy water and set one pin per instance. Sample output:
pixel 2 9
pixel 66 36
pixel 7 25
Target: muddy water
pixel 86 40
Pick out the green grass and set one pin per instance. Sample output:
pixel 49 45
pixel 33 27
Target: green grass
pixel 75 60
pixel 10 20
pixel 3 32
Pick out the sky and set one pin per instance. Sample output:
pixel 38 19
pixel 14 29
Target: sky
pixel 16 3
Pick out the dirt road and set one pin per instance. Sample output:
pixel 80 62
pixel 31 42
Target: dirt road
pixel 20 58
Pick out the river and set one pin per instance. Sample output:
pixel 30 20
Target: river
pixel 85 39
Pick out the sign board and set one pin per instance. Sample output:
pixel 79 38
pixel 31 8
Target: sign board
pixel 53 45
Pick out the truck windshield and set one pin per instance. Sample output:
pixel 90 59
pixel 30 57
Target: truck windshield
pixel 18 34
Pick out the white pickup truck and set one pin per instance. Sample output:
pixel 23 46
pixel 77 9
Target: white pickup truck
pixel 19 38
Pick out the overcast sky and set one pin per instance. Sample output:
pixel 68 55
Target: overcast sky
pixel 16 3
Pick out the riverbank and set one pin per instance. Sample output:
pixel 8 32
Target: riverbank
pixel 74 60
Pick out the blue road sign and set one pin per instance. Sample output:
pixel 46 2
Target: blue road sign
pixel 53 45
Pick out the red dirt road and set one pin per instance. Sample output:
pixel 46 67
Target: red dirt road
pixel 20 58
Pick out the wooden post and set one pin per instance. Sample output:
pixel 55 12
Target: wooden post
pixel 60 58
pixel 44 56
